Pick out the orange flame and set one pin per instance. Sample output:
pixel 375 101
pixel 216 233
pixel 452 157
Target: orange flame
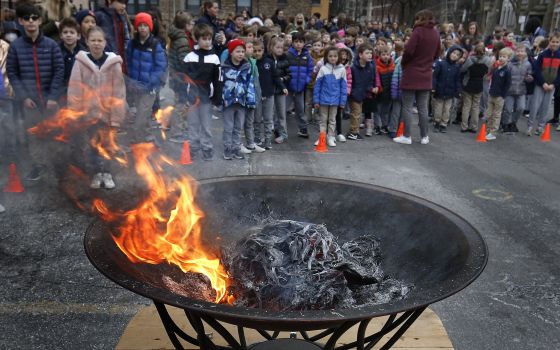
pixel 153 233
pixel 163 117
pixel 105 142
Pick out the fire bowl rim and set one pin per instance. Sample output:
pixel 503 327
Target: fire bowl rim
pixel 288 320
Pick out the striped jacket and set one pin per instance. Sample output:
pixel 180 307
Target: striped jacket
pixel 546 68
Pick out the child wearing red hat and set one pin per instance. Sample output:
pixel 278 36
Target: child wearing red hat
pixel 147 63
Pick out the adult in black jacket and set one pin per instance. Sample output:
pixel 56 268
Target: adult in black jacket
pixel 208 13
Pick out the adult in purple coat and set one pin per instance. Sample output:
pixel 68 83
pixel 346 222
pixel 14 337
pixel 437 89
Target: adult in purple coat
pixel 420 52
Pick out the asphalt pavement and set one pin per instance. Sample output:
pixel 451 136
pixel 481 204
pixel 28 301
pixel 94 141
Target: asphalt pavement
pixel 51 297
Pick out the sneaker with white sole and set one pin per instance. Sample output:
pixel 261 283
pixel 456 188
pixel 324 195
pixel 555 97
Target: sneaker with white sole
pixel 558 127
pixel 108 181
pixel 340 138
pixel 96 181
pixel 256 148
pixel 490 137
pixel 403 140
pixel 425 140
pixel 279 139
pixel 331 141
pixel 529 131
pixel 245 150
pixel 316 143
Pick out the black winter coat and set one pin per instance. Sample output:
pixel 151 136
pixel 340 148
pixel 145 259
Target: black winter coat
pixel 280 74
pixel 266 80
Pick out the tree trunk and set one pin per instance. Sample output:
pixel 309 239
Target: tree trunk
pixel 547 22
pixel 493 17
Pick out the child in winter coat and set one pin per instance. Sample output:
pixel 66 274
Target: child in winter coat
pixel 238 96
pixel 202 69
pixel 97 89
pixel 446 84
pixel 264 118
pixel 147 62
pixel 36 71
pixel 69 46
pixel 474 69
pixel 180 44
pixel 499 87
pixel 385 68
pixel 329 93
pixel 396 96
pixel 514 104
pixel 547 78
pixel 363 82
pixel 346 58
pixel 253 145
pixel 281 77
pixel 317 53
pixel 301 70
pixel 112 18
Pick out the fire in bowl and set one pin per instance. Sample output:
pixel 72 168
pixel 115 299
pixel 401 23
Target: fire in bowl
pixel 422 244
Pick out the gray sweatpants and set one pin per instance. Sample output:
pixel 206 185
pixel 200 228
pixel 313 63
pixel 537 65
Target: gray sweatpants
pixel 143 102
pixel 422 97
pixel 540 103
pixel 264 119
pixel 299 104
pixel 280 115
pixel 396 112
pixel 200 134
pixel 513 109
pixel 234 117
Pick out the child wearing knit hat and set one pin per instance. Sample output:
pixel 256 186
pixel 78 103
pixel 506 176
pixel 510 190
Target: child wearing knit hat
pixel 147 63
pixel 86 20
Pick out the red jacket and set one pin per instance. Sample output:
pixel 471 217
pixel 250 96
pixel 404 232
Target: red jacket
pixel 420 52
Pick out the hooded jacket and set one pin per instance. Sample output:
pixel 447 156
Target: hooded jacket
pixel 4 48
pixel 202 69
pixel 420 53
pixel 330 86
pixel 301 69
pixel 146 67
pixel 238 84
pixel 385 72
pixel 446 79
pixel 179 47
pixel 475 69
pixel 99 92
pixel 520 75
pixel 35 69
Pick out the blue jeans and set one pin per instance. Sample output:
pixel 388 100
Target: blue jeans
pixel 234 118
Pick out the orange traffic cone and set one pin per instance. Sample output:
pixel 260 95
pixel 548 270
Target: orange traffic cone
pixel 545 137
pixel 322 146
pixel 400 131
pixel 14 183
pixel 481 137
pixel 186 154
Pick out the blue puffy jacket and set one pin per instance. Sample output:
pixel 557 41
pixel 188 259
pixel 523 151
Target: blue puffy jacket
pixel 35 69
pixel 446 79
pixel 116 31
pixel 147 63
pixel 330 86
pixel 301 69
pixel 238 84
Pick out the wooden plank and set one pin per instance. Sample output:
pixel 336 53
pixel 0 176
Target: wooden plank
pixel 146 332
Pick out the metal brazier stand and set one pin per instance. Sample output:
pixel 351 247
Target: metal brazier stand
pixel 421 243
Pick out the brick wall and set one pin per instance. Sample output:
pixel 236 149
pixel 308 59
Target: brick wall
pixel 268 7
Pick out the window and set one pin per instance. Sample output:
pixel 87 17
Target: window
pixel 193 6
pixel 135 6
pixel 282 2
pixel 243 4
pixel 315 2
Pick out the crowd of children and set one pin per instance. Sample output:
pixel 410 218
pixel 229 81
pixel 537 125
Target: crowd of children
pixel 254 73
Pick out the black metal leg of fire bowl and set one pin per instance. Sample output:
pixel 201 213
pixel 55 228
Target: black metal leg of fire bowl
pixel 363 342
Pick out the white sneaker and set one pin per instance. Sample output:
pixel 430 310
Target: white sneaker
pixel 215 117
pixel 558 127
pixel 244 150
pixel 316 142
pixel 403 139
pixel 108 181
pixel 331 141
pixel 490 137
pixel 425 140
pixel 257 148
pixel 2 209
pixel 96 181
pixel 279 139
pixel 340 138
